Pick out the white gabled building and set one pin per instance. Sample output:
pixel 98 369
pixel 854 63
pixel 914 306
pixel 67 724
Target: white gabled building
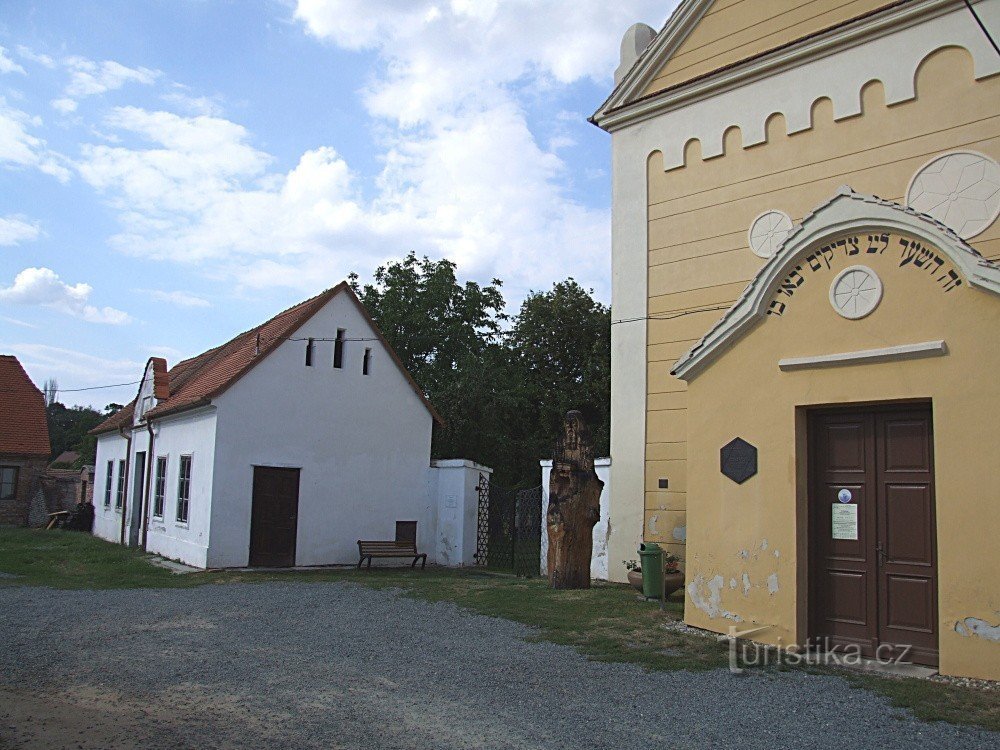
pixel 282 447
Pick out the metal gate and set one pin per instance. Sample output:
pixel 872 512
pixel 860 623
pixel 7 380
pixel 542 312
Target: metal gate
pixel 509 528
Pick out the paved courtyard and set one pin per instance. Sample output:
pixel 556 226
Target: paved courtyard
pixel 336 665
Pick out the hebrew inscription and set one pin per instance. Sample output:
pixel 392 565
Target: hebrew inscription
pixel 910 253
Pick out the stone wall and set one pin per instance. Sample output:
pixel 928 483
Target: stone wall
pixel 14 511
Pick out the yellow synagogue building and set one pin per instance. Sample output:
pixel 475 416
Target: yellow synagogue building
pixel 806 320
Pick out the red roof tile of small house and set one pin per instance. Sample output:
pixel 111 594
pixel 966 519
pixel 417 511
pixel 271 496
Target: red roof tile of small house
pixel 24 429
pixel 195 382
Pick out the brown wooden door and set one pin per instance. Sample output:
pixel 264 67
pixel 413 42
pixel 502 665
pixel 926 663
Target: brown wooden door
pixel 274 521
pixel 873 583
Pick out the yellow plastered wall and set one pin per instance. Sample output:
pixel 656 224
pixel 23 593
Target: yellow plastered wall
pixel 749 533
pixel 734 30
pixel 699 216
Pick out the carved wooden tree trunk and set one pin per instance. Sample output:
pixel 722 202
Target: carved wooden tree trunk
pixel 574 505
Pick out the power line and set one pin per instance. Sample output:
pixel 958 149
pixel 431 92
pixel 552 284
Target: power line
pixel 95 387
pixel 261 342
pixel 671 316
pixel 982 26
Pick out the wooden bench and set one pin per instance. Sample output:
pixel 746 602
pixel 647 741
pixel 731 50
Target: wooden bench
pixel 370 549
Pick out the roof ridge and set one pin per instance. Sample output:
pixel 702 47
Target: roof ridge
pixel 207 375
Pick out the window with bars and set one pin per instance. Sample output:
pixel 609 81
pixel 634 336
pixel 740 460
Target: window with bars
pixel 160 486
pixel 108 479
pixel 184 490
pixel 8 482
pixel 120 494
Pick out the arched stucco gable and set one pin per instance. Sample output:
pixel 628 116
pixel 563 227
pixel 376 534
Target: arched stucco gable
pixel 846 212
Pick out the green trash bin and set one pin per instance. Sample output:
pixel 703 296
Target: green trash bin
pixel 651 560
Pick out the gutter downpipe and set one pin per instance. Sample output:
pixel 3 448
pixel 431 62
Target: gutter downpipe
pixel 149 475
pixel 128 471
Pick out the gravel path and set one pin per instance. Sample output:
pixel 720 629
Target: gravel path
pixel 342 666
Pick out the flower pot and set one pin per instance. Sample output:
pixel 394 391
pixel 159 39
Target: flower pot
pixel 672 582
pixel 635 578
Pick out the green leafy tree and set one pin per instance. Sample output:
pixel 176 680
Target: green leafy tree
pixel 562 342
pixel 502 391
pixel 442 331
pixel 68 428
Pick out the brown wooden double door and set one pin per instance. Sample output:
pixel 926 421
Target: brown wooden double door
pixel 873 578
pixel 274 520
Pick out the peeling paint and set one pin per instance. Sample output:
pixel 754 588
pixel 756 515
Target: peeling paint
pixel 763 543
pixel 732 583
pixel 744 553
pixel 973 626
pixel 712 606
pixel 652 524
pixel 680 533
pixel 777 554
pixel 746 584
pixel 772 583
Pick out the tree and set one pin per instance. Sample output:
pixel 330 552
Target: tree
pixel 502 392
pixel 49 389
pixel 562 339
pixel 444 332
pixel 68 428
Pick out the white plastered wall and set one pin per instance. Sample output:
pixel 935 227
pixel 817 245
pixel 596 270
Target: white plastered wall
pixel 452 484
pixel 362 443
pixel 107 521
pixel 186 434
pixel 630 149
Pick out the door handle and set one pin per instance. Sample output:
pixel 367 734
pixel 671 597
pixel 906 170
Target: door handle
pixel 881 554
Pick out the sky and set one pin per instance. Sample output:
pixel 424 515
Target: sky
pixel 173 172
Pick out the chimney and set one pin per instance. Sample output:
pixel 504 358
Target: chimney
pixel 161 379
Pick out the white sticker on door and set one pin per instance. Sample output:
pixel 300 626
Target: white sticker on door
pixel 845 521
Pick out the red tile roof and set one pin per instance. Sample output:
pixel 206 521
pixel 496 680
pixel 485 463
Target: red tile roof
pixel 24 429
pixel 195 382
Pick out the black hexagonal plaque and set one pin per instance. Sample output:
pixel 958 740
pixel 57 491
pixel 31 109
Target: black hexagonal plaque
pixel 738 460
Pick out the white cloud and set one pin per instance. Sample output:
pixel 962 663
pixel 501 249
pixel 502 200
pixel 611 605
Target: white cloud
pixel 179 298
pixel 64 105
pixel 439 54
pixel 463 174
pixel 16 322
pixel 7 65
pixel 42 286
pixel 20 149
pixel 89 78
pixel 193 105
pixel 14 230
pixel 202 194
pixel 29 54
pixel 193 161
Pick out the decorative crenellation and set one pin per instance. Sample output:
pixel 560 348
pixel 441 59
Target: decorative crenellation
pixel 893 60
